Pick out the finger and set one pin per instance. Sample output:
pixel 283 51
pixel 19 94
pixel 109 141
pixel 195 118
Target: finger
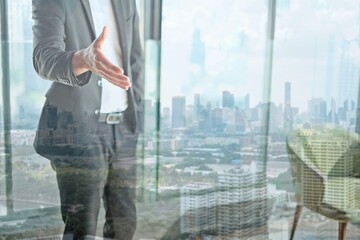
pixel 122 81
pixel 113 71
pixel 107 64
pixel 101 38
pixel 118 80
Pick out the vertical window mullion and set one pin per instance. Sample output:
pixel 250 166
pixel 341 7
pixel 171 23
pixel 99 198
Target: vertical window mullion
pixel 153 21
pixel 270 36
pixel 6 102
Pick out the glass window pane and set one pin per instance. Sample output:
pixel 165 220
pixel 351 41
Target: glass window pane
pixel 34 183
pixel 315 89
pixel 211 87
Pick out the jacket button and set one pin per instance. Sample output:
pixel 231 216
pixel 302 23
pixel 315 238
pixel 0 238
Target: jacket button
pixel 97 112
pixel 99 83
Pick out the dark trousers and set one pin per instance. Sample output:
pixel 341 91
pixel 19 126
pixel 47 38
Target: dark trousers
pixel 103 169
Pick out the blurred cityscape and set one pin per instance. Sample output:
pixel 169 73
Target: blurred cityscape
pixel 211 159
pixel 220 165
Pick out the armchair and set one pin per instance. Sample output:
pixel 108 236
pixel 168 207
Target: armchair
pixel 325 168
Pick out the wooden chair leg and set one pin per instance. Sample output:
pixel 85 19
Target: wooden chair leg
pixel 342 230
pixel 296 220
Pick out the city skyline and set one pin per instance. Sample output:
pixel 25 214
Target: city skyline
pixel 282 115
pixel 318 59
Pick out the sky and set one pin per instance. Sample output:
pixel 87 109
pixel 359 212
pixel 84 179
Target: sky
pixel 316 48
pixel 310 39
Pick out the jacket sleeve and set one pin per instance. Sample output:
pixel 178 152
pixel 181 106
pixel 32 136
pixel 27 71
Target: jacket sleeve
pixel 51 60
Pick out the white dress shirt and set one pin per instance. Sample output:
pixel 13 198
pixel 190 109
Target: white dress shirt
pixel 113 98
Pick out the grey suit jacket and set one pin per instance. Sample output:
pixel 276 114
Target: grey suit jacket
pixel 61 27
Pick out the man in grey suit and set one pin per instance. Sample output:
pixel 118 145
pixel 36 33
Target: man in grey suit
pixel 90 121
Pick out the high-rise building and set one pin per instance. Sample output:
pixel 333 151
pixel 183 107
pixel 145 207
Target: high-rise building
pixel 332 113
pixel 196 106
pixel 242 206
pixel 228 100
pixel 287 99
pixel 197 208
pixel 205 118
pixel 217 118
pixel 189 114
pixel 274 119
pixel 197 55
pixel 317 108
pixel 240 120
pixel 288 117
pixel 166 112
pixel 149 120
pixel 166 117
pixel 247 101
pixel 178 112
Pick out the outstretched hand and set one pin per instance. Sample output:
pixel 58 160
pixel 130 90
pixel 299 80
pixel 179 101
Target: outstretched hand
pixel 93 58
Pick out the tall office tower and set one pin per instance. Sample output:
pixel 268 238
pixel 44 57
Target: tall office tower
pixel 288 117
pixel 247 101
pixel 287 99
pixel 149 119
pixel 197 56
pixel 178 112
pixel 260 214
pixel 217 118
pixel 242 208
pixel 331 152
pixel 166 117
pixel 352 106
pixel 274 119
pixel 317 110
pixel 197 208
pixel 166 112
pixel 189 114
pixel 196 106
pixel 332 113
pixel 228 100
pixel 240 120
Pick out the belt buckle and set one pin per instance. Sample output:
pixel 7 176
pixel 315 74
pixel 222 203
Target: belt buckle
pixel 113 118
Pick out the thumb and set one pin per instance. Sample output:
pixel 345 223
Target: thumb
pixel 101 38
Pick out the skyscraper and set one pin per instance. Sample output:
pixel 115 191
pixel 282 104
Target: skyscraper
pixel 242 207
pixel 317 108
pixel 228 100
pixel 288 117
pixel 178 112
pixel 217 118
pixel 196 106
pixel 247 102
pixel 197 55
pixel 197 208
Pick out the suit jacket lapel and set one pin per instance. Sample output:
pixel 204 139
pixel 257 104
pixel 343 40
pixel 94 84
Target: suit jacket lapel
pixel 87 10
pixel 119 8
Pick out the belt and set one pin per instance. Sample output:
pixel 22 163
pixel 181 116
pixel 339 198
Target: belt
pixel 111 118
